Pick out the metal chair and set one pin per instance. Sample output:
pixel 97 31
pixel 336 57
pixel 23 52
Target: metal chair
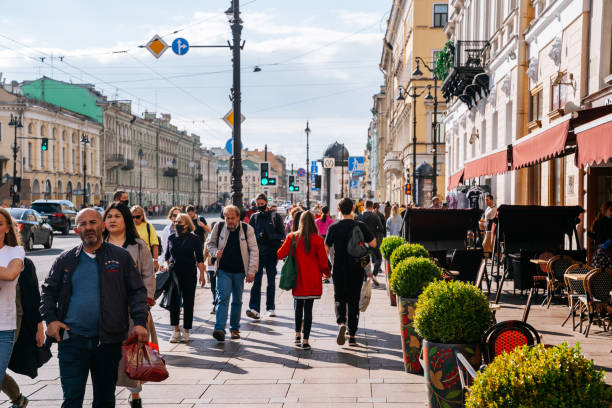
pixel 556 267
pixel 575 290
pixel 506 336
pixel 598 285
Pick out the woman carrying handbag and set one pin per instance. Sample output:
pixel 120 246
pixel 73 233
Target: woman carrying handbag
pixel 308 250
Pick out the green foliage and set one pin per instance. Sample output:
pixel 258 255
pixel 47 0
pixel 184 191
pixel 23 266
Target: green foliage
pixel 389 244
pixel 540 377
pixel 412 275
pixel 444 61
pixel 452 313
pixel 406 251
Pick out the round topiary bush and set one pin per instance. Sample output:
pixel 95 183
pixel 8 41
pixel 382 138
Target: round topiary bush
pixel 389 244
pixel 406 251
pixel 452 313
pixel 540 377
pixel 412 275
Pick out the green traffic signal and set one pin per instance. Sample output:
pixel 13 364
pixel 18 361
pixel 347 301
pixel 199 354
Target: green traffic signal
pixel 291 188
pixel 264 181
pixel 44 146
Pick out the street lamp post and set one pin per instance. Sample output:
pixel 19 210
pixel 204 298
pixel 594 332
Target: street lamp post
pixel 85 141
pixel 199 183
pixel 236 24
pixel 140 158
pixel 16 123
pixel 173 185
pixel 192 166
pixel 307 131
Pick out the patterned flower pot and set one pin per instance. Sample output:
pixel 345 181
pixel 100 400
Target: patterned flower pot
pixel 392 297
pixel 441 373
pixel 411 341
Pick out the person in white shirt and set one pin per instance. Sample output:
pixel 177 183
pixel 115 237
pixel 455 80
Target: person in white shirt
pixel 11 265
pixel 486 223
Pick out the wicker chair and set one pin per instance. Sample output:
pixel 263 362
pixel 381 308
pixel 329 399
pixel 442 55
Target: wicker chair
pixel 598 285
pixel 575 291
pixel 556 267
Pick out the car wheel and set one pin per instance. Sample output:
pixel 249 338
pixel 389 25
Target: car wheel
pixel 66 229
pixel 49 240
pixel 30 243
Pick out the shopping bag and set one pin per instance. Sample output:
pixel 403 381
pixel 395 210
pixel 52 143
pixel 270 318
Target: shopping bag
pixel 142 361
pixel 288 279
pixel 366 294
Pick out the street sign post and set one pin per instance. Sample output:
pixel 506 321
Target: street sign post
pixel 329 162
pixel 356 165
pixel 229 118
pixel 301 172
pixel 180 46
pixel 156 46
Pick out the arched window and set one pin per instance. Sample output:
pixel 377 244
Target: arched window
pixel 47 189
pixel 42 131
pixel 59 187
pixel 35 187
pixel 30 128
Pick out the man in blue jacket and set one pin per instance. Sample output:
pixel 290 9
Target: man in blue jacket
pixel 270 232
pixel 85 301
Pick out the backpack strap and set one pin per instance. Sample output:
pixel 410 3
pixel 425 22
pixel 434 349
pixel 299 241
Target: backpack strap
pixel 221 225
pixel 245 227
pixel 148 234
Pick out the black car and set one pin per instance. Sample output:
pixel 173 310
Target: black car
pixel 33 228
pixel 60 214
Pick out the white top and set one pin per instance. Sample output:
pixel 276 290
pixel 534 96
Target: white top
pixel 168 230
pixel 8 308
pixel 490 213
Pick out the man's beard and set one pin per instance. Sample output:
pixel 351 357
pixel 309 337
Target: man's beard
pixel 90 239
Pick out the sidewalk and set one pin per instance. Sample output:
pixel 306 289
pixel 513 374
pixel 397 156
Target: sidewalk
pixel 264 368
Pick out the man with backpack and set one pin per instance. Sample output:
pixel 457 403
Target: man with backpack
pixel 200 224
pixel 350 240
pixel 372 220
pixel 270 232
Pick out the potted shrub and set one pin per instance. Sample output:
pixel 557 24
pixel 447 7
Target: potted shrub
pixel 406 251
pixel 450 316
pixel 408 280
pixel 387 247
pixel 540 377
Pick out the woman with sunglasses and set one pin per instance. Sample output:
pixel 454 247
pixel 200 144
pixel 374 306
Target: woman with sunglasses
pixel 168 230
pixel 146 232
pixel 121 231
pixel 184 254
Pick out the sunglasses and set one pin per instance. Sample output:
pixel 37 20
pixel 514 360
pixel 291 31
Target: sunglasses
pixel 136 217
pixel 174 216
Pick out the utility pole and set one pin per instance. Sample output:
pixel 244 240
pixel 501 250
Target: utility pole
pixel 307 131
pixel 16 123
pixel 140 158
pixel 294 184
pixel 342 170
pixel 84 140
pixel 236 24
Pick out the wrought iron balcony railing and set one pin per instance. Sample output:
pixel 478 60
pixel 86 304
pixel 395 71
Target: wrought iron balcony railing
pixel 467 80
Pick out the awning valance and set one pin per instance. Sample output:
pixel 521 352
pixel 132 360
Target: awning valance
pixel 594 141
pixel 455 179
pixel 491 164
pixel 541 145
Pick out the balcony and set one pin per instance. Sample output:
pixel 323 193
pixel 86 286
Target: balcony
pixel 114 160
pixel 128 164
pixel 393 163
pixel 467 79
pixel 170 172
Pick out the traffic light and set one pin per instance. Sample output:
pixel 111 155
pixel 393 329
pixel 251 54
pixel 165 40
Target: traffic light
pixel 408 189
pixel 272 181
pixel 317 182
pixel 292 183
pixel 44 146
pixel 263 174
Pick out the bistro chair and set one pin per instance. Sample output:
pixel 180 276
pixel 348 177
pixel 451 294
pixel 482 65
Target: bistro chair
pixel 598 284
pixel 575 291
pixel 555 268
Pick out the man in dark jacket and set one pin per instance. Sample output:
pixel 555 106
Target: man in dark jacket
pixel 85 301
pixel 270 231
pixel 372 220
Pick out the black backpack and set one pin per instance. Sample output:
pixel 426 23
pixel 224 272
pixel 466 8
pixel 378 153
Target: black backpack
pixel 356 246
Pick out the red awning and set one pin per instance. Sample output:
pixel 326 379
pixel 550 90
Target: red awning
pixel 494 163
pixel 455 179
pixel 541 145
pixel 594 141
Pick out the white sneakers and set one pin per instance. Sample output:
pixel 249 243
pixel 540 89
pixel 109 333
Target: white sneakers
pixel 176 337
pixel 271 313
pixel 185 338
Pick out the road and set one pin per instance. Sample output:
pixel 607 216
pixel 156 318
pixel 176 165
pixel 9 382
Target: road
pixel 44 258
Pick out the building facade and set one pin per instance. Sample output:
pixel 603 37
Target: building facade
pixel 406 151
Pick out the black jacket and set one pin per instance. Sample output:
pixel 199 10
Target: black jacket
pixel 372 220
pixel 120 287
pixel 269 230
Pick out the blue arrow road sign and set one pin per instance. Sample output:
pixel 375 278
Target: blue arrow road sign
pixel 228 146
pixel 180 46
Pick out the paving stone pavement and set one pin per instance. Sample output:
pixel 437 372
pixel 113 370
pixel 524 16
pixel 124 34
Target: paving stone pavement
pixel 265 369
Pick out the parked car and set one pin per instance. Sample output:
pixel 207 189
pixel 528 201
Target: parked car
pixel 100 210
pixel 33 228
pixel 61 214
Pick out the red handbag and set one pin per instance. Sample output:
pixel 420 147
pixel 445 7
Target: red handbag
pixel 142 361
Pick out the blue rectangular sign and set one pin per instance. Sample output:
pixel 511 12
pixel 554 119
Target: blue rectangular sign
pixel 356 164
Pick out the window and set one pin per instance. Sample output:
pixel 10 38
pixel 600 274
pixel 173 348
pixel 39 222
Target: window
pixel 557 181
pixel 559 93
pixel 535 105
pixel 0 131
pixel 440 15
pixel 30 154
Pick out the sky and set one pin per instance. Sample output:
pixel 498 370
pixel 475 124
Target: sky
pixel 318 59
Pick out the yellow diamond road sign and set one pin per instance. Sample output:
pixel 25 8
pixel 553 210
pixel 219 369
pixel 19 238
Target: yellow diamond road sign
pixel 157 46
pixel 229 118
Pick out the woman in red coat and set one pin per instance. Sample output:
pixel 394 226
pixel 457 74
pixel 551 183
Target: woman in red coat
pixel 312 264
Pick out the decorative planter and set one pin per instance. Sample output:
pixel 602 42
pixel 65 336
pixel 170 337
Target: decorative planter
pixel 411 341
pixel 441 372
pixel 392 297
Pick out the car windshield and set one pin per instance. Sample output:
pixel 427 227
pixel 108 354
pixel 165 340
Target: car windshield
pixel 46 207
pixel 17 213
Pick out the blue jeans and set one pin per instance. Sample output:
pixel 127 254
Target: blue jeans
pixel 255 301
pixel 229 284
pixel 78 356
pixel 7 339
pixel 213 286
